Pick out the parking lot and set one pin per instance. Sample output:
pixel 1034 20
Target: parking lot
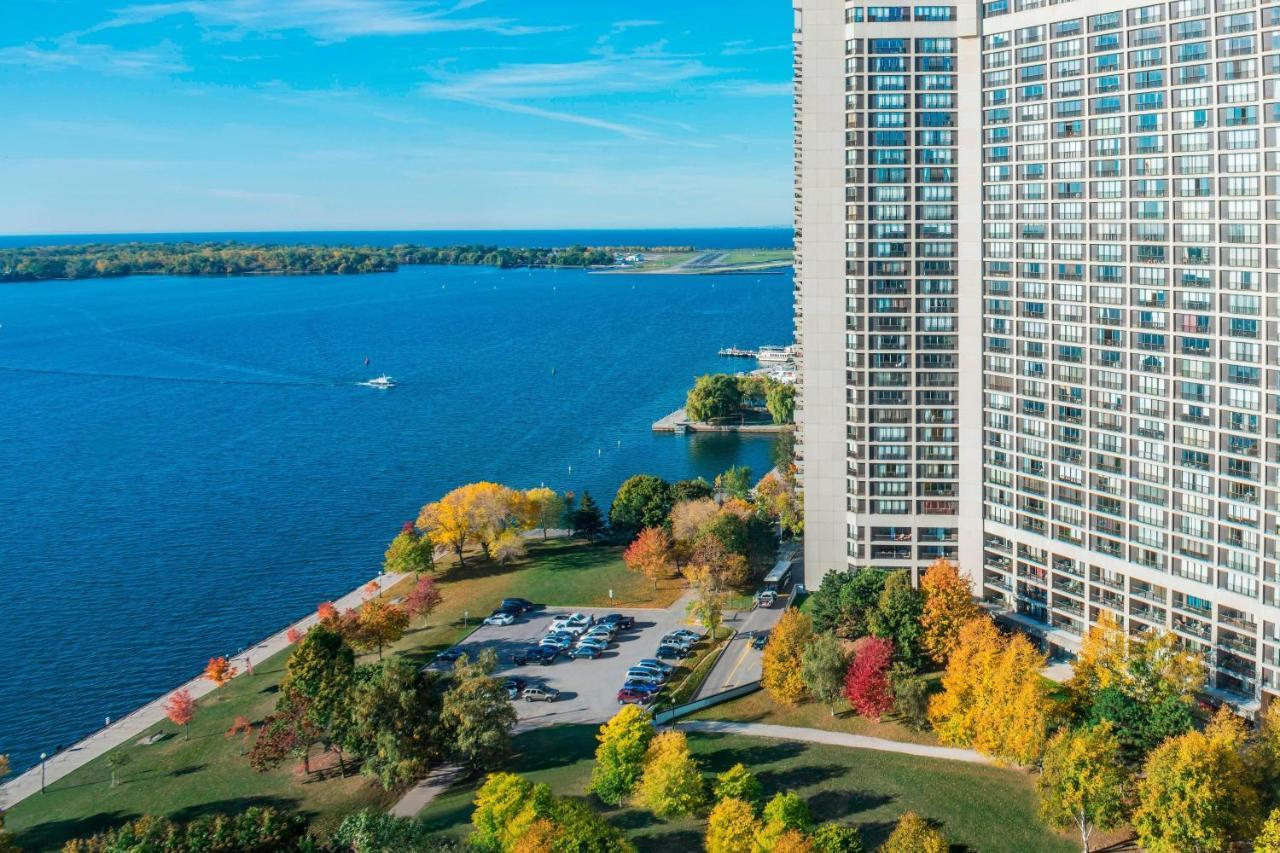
pixel 588 688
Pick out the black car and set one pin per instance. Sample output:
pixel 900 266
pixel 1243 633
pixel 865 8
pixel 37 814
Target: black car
pixel 536 654
pixel 758 641
pixel 667 650
pixel 516 605
pixel 449 655
pixel 623 622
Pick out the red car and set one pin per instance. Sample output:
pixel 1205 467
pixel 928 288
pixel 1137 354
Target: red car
pixel 634 697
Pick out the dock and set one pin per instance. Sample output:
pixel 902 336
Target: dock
pixel 739 352
pixel 678 423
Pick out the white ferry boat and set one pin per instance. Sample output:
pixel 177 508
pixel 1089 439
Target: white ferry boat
pixel 775 355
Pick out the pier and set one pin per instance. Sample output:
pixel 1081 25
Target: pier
pixel 739 352
pixel 678 422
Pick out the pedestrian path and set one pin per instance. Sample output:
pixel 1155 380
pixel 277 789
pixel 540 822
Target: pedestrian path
pixel 132 726
pixel 834 739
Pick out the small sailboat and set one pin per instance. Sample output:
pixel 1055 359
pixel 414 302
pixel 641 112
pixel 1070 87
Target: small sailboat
pixel 366 361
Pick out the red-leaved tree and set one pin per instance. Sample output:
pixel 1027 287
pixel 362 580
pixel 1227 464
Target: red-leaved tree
pixel 326 611
pixel 423 599
pixel 181 710
pixel 866 684
pixel 293 635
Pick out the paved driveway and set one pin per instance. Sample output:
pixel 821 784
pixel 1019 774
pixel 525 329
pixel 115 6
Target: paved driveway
pixel 740 663
pixel 588 688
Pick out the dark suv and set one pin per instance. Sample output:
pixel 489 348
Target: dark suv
pixel 622 622
pixel 516 605
pixel 536 654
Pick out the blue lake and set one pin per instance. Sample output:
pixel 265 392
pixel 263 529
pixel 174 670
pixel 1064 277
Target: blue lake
pixel 187 464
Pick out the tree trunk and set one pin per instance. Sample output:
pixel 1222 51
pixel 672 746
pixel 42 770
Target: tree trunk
pixel 186 732
pixel 1085 832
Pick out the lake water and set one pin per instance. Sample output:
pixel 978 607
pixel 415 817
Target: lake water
pixel 188 464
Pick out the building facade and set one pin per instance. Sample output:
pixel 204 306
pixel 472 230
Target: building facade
pixel 1038 259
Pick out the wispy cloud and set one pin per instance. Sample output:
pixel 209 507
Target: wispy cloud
pixel 323 20
pixel 756 89
pixel 68 53
pixel 747 48
pixel 623 26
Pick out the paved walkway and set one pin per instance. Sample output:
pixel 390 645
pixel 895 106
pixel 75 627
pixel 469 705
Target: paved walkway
pixel 131 727
pixel 834 739
pixel 432 785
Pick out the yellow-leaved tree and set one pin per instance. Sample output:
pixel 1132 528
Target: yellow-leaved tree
pixel 914 835
pixel 543 509
pixel 672 785
pixel 948 605
pixel 954 713
pixel 782 675
pixel 474 514
pixel 732 827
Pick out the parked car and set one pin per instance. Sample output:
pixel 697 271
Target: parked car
pixel 536 654
pixel 672 651
pixel 561 639
pixel 633 697
pixel 520 605
pixel 500 617
pixel 601 628
pixel 573 622
pixel 623 622
pixel 653 663
pixel 449 655
pixel 594 642
pixel 765 598
pixel 643 675
pixel 661 675
pixel 540 693
pixel 691 636
pixel 515 686
pixel 675 640
pixel 760 639
pixel 591 652
pixel 642 687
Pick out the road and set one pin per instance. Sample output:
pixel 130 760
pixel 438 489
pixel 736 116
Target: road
pixel 740 663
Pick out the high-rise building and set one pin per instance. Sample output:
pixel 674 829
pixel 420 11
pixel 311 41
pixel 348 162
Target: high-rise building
pixel 1037 303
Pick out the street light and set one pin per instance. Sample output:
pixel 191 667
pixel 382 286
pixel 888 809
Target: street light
pixel 42 758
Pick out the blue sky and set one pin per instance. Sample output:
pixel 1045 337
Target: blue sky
pixel 190 115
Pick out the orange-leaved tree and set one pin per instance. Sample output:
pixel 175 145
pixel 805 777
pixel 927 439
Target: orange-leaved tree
pixel 650 555
pixel 219 670
pixel 181 710
pixel 243 727
pixel 379 624
pixel 948 604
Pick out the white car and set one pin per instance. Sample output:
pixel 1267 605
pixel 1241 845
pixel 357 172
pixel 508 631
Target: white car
pixel 594 642
pixel 500 619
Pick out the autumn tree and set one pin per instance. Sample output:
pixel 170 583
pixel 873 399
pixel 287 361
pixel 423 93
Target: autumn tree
pixel 779 500
pixel 715 560
pixel 732 827
pixel 896 617
pixel 181 710
pixel 739 783
pixel 293 635
pixel 734 481
pixel 379 624
pixel 285 732
pixel 688 517
pixel 782 676
pixel 506 806
pixel 241 727
pixel 642 501
pixel 822 667
pixel 671 785
pixel 837 838
pixel 1196 791
pixel 914 835
pixel 450 522
pixel 786 811
pixel 477 715
pixel 1268 839
pixel 319 675
pixel 544 508
pixel 219 670
pixel 509 547
pixel 1083 782
pixel 410 552
pixel 650 555
pixel 423 599
pixel 620 757
pixel 948 604
pixel 866 683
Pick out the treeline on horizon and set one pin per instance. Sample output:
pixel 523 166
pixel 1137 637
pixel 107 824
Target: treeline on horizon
pixel 114 260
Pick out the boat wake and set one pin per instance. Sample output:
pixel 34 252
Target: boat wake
pixel 196 380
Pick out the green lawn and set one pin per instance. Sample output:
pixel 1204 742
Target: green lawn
pixel 758 707
pixel 184 779
pixel 982 808
pixel 735 257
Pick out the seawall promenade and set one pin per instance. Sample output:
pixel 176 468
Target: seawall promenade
pixel 133 725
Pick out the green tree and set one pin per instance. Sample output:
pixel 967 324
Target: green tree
pixel 897 617
pixel 784 813
pixel 837 838
pixel 587 520
pixel 1196 792
pixel 1268 840
pixel 910 696
pixel 397 727
pixel 844 600
pixel 477 714
pixel 741 784
pixel 409 553
pixel 1083 782
pixel 781 403
pixel 732 827
pixel 713 397
pixel 822 666
pixel 1140 726
pixel 321 671
pixel 642 501
pixel 578 829
pixel 735 482
pixel 620 757
pixel 691 490
pixel 375 831
pixel 671 785
pixel 913 835
pixel 116 761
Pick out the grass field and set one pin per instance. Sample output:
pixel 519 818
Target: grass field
pixel 184 779
pixel 981 808
pixel 758 707
pixel 736 257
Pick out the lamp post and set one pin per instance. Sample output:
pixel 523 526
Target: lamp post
pixel 43 756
